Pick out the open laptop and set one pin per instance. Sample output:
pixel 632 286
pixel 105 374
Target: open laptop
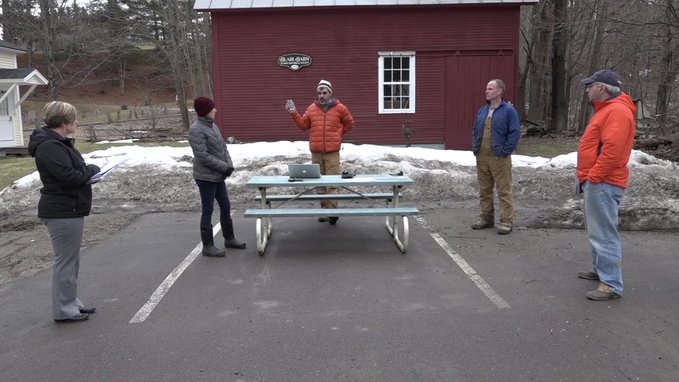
pixel 304 170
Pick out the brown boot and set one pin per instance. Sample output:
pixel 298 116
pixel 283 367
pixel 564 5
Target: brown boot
pixel 602 293
pixel 504 228
pixel 483 224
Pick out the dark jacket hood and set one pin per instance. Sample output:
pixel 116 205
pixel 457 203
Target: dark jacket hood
pixel 42 134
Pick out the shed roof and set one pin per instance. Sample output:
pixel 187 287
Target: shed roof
pixel 22 77
pixel 209 5
pixel 6 45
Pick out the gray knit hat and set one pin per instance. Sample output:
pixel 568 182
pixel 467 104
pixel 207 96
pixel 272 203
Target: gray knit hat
pixel 325 84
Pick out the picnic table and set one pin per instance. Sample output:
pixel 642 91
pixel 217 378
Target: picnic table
pixel 304 190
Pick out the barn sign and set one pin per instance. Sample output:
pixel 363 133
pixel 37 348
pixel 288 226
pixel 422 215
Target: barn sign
pixel 294 61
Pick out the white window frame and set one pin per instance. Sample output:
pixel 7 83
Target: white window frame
pixel 4 106
pixel 411 83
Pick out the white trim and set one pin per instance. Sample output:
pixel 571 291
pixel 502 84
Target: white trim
pixel 11 89
pixel 23 98
pixel 32 78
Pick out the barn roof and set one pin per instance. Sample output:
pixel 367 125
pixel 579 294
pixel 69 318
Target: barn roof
pixel 208 5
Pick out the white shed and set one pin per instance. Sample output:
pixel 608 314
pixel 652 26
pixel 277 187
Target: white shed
pixel 11 78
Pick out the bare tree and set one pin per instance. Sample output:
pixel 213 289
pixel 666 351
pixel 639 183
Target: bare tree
pixel 46 41
pixel 529 32
pixel 537 84
pixel 669 64
pixel 20 26
pixel 172 47
pixel 593 53
pixel 559 104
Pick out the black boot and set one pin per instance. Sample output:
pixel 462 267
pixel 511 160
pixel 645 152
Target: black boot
pixel 229 237
pixel 209 248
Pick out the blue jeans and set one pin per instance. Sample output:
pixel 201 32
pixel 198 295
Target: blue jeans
pixel 209 191
pixel 601 217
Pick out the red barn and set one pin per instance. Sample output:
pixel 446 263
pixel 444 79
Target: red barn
pixel 398 65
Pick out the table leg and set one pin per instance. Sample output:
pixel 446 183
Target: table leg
pixel 263 225
pixel 262 236
pixel 392 223
pixel 393 231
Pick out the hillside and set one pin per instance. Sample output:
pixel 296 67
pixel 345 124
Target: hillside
pixel 96 79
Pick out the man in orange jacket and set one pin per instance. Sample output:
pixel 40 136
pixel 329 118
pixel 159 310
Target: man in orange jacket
pixel 327 120
pixel 603 176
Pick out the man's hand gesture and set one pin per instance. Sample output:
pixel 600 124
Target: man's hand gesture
pixel 290 106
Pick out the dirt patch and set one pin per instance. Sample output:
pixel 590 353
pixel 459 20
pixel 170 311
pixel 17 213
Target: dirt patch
pixel 26 247
pixel 19 224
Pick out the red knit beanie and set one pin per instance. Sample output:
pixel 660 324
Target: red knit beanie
pixel 203 106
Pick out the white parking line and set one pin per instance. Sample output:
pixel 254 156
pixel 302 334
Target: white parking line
pixel 162 289
pixel 466 268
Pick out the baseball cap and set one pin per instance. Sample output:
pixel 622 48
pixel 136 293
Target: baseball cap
pixel 606 76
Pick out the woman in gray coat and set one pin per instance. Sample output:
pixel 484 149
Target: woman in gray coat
pixel 211 166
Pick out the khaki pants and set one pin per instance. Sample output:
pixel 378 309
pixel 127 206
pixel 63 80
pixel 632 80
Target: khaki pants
pixel 330 165
pixel 494 172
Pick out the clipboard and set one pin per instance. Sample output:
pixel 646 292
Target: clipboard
pixel 108 167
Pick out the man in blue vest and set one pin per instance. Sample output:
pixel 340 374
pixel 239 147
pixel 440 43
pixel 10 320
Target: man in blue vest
pixel 496 134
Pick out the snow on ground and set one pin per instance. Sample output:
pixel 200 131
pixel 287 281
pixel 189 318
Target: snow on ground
pixel 162 175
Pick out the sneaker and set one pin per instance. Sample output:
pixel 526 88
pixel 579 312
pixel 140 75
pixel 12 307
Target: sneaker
pixel 602 293
pixel 482 224
pixel 588 275
pixel 504 228
pixel 323 220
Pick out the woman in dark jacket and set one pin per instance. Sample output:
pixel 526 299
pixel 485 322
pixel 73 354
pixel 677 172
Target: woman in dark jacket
pixel 65 200
pixel 211 166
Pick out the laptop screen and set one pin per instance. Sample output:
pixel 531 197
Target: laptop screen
pixel 304 170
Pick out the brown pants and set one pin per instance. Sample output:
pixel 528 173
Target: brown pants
pixel 330 165
pixel 495 172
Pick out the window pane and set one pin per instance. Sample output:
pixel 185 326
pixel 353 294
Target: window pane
pixel 397 63
pixel 406 63
pixel 404 90
pixel 405 76
pixel 397 76
pixel 387 63
pixel 387 76
pixel 387 91
pixel 4 106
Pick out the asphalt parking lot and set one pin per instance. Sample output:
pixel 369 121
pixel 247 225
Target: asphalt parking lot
pixel 336 303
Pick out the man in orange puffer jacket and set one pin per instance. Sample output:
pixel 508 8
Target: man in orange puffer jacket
pixel 327 120
pixel 603 175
